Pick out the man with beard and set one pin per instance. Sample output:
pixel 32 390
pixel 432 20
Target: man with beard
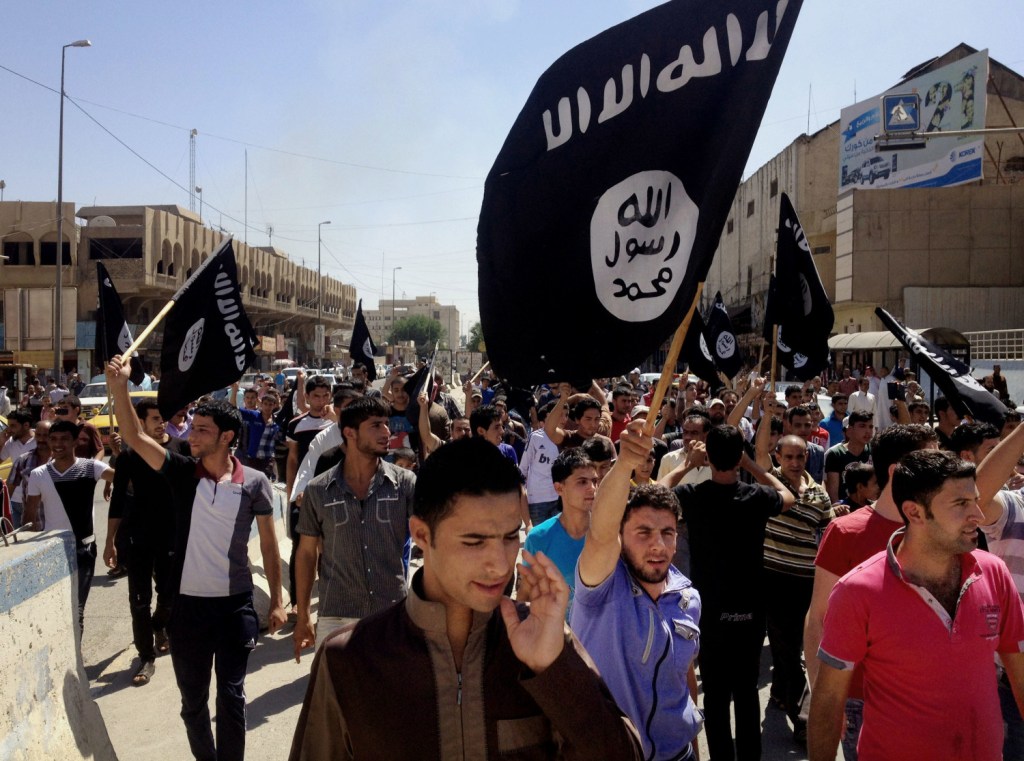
pixel 635 613
pixel 726 520
pixel 360 511
pixel 924 619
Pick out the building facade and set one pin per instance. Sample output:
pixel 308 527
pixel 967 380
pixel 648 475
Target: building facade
pixel 949 256
pixel 150 251
pixel 388 312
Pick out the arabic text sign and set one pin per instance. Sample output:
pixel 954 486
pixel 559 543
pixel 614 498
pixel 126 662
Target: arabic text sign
pixel 949 98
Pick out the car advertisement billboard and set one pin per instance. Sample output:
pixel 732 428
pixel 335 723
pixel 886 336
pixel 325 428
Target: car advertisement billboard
pixel 950 98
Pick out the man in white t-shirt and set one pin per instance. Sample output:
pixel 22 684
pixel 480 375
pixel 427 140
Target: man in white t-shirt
pixel 59 497
pixel 535 466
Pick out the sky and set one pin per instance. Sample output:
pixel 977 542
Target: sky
pixel 382 117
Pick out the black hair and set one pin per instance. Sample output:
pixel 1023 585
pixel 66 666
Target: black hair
pixel 655 496
pixel 362 410
pixel 358 385
pixel 468 467
pixel 917 406
pixel 143 406
pixel 584 404
pixel 71 401
pixel 224 414
pixel 724 447
pixel 65 426
pixel 790 390
pixel 888 447
pixel 1011 416
pixel 941 405
pixel 840 398
pixel 970 435
pixel 20 416
pixel 567 462
pixel 861 416
pixel 599 449
pixel 703 419
pixel 797 410
pixel 358 366
pixel 404 454
pixel 317 381
pixel 483 417
pixel 622 391
pixel 920 475
pixel 543 412
pixel 857 474
pixel 341 394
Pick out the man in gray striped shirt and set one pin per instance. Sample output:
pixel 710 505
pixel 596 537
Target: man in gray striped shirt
pixel 360 511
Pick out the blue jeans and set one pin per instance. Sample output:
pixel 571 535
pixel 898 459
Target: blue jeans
pixel 1013 740
pixel 217 633
pixel 854 721
pixel 17 510
pixel 541 511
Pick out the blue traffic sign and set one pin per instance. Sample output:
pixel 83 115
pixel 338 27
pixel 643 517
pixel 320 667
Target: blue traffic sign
pixel 901 112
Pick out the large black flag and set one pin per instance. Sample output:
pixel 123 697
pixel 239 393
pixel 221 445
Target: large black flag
pixel 608 198
pixel 721 339
pixel 696 354
pixel 112 333
pixel 797 301
pixel 362 349
pixel 967 396
pixel 208 339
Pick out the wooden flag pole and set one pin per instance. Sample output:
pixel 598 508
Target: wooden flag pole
pixel 480 372
pixel 149 329
pixel 775 357
pixel 665 381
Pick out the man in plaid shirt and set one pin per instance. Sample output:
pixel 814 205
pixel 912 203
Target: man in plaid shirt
pixel 260 436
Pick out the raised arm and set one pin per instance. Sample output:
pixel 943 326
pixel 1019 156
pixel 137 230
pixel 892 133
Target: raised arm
pixel 430 441
pixel 551 427
pixel 762 476
pixel 747 399
pixel 993 472
pixel 762 443
pixel 602 546
pixel 150 451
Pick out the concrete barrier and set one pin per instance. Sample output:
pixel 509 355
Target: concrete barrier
pixel 46 711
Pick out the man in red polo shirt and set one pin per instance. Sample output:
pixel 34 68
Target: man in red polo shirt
pixel 923 619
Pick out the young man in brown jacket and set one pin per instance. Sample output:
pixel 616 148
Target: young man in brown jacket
pixel 445 674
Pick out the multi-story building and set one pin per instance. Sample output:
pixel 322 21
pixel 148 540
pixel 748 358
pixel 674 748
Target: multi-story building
pixel 389 311
pixel 947 256
pixel 149 252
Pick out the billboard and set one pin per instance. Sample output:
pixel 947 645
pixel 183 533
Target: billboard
pixel 950 98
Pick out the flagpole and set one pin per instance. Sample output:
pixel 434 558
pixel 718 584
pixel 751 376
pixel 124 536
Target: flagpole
pixel 665 381
pixel 149 329
pixel 480 372
pixel 775 357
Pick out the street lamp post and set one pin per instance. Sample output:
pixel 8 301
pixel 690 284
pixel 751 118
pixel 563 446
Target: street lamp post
pixel 58 349
pixel 199 190
pixel 393 271
pixel 319 285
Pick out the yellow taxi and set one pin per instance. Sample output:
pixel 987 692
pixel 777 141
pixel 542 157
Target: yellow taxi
pixel 102 419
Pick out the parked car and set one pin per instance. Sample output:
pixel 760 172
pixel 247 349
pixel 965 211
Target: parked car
pixel 102 418
pixel 93 397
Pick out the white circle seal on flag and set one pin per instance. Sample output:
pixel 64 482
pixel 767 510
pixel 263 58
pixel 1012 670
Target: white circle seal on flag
pixel 641 237
pixel 725 346
pixel 190 346
pixel 704 349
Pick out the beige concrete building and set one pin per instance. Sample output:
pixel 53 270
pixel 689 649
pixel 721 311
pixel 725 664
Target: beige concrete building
pixel 949 257
pixel 380 320
pixel 150 251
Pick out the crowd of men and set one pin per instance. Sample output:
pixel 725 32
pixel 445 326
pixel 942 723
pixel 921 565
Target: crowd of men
pixel 660 545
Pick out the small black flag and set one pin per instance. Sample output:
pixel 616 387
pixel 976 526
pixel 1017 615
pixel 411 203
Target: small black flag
pixel 797 301
pixel 721 339
pixel 611 190
pixel 112 333
pixel 697 355
pixel 208 339
pixel 967 396
pixel 362 349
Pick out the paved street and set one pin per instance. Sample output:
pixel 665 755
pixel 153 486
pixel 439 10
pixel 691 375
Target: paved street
pixel 143 722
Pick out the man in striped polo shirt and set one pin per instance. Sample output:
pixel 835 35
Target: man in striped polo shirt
pixel 790 546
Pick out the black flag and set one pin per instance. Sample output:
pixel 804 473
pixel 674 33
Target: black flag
pixel 612 188
pixel 112 333
pixel 797 301
pixel 967 396
pixel 362 349
pixel 721 339
pixel 697 355
pixel 208 339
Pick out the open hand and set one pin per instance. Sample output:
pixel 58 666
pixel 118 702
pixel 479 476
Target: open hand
pixel 538 639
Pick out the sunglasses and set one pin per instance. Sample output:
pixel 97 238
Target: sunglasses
pixel 62 410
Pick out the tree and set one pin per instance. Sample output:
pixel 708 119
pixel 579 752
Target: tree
pixel 423 331
pixel 476 337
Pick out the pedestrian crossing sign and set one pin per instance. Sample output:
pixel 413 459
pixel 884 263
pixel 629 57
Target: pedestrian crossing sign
pixel 901 112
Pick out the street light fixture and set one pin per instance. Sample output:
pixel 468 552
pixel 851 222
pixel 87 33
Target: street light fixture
pixel 58 349
pixel 320 286
pixel 199 190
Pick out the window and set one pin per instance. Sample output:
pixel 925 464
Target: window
pixel 48 253
pixel 115 248
pixel 774 191
pixel 728 227
pixel 19 252
pixel 1014 164
pixel 750 278
pixel 822 250
pixel 750 208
